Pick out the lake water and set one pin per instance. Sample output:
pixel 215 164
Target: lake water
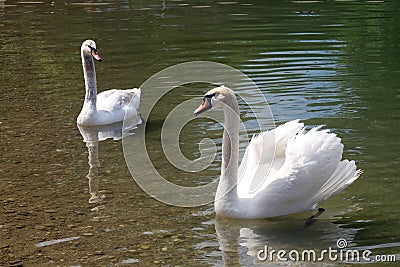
pixel 335 63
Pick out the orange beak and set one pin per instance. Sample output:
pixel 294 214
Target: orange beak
pixel 203 107
pixel 96 55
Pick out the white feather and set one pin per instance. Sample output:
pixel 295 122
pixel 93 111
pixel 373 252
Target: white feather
pixel 283 171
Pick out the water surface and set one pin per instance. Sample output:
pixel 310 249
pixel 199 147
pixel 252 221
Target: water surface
pixel 325 62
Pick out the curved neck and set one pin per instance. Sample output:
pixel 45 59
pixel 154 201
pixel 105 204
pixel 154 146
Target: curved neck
pixel 230 151
pixel 89 74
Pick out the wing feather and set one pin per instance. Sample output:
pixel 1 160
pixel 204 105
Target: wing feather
pixel 116 100
pixel 263 157
pixel 305 169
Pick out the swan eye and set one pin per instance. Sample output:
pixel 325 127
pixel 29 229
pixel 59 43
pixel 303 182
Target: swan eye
pixel 94 53
pixel 209 96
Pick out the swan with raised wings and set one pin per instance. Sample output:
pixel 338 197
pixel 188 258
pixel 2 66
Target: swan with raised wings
pixel 109 106
pixel 305 168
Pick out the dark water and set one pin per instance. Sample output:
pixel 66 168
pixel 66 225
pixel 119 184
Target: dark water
pixel 335 63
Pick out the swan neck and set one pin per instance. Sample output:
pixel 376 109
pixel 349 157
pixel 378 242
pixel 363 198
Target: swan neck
pixel 230 145
pixel 230 151
pixel 89 74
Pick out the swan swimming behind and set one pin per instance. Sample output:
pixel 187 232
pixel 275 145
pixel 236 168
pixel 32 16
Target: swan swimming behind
pixel 109 106
pixel 305 168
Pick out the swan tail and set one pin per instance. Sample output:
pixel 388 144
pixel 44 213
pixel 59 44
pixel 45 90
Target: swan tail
pixel 310 163
pixel 135 99
pixel 135 91
pixel 344 175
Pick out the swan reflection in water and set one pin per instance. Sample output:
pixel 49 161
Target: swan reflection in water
pixel 92 136
pixel 244 242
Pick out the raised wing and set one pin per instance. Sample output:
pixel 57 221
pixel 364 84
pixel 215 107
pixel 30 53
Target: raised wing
pixel 310 170
pixel 263 158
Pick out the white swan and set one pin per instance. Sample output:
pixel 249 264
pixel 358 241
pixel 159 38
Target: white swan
pixel 306 167
pixel 108 106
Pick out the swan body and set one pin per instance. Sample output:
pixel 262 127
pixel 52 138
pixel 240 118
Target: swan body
pixel 283 171
pixel 106 107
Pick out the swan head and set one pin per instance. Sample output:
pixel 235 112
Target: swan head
pixel 217 97
pixel 89 48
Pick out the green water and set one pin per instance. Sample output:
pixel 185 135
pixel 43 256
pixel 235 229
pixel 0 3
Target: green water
pixel 335 63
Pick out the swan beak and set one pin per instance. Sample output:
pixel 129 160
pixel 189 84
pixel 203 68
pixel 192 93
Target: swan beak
pixel 203 107
pixel 96 55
